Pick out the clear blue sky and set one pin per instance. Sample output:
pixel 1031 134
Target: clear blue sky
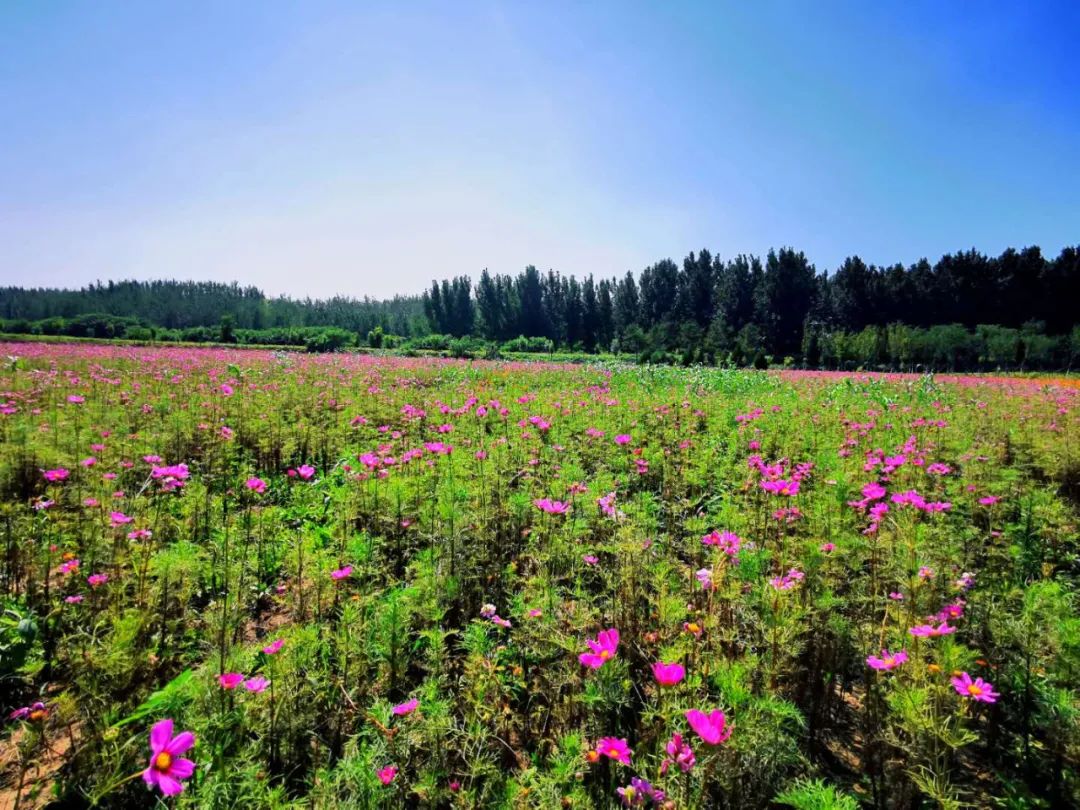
pixel 364 148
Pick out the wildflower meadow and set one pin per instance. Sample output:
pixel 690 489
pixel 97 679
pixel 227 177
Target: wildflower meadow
pixel 244 579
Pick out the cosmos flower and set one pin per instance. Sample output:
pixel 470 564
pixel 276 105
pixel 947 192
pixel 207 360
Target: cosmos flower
pixel 274 646
pixel 678 753
pixel 977 689
pixel 386 775
pixel 257 684
pixel 712 728
pixel 230 680
pixel 929 631
pixel 887 660
pixel 602 650
pixel 668 674
pixel 167 768
pixel 405 708
pixel 614 748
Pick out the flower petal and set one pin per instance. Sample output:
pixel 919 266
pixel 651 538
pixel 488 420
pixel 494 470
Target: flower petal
pixel 181 743
pixel 160 735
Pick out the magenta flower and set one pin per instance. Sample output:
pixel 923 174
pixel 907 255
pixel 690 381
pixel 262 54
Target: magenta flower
pixel 603 649
pixel 274 646
pixel 668 674
pixel 341 573
pixel 256 485
pixel 408 707
pixel 887 660
pixel 256 685
pixel 622 438
pixel 306 472
pixel 614 748
pixel 678 753
pixel 712 727
pixel 727 542
pixel 119 518
pixel 230 680
pixel 977 689
pixel 590 559
pixel 54 476
pixel 95 580
pixel 827 548
pixel 929 631
pixel 551 507
pixel 387 774
pixel 167 768
pixel 74 600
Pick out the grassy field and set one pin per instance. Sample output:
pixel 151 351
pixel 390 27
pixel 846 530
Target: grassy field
pixel 256 579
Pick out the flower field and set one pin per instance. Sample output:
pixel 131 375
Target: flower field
pixel 244 579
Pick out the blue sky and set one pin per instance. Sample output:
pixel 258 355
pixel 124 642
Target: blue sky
pixel 364 148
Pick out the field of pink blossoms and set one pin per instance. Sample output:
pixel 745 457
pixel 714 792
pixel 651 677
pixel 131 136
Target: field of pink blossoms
pixel 237 579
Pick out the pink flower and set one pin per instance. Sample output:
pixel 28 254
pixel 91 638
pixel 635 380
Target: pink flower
pixel 590 559
pixel 73 600
pixel 94 580
pixel 54 476
pixel 256 485
pixel 226 389
pixel 535 613
pixel 408 707
pixel 387 774
pixel 306 472
pixel 119 518
pixel 977 689
pixel 989 500
pixel 341 573
pixel 622 438
pixel 668 674
pixel 274 646
pixel 887 660
pixel 230 680
pixel 167 767
pixel 614 748
pixel 256 685
pixel 603 649
pixel 712 727
pixel 727 542
pixel 678 753
pixel 827 548
pixel 929 631
pixel 551 507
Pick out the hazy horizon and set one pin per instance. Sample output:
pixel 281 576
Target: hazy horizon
pixel 315 151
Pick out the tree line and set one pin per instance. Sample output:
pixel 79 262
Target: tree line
pixel 967 310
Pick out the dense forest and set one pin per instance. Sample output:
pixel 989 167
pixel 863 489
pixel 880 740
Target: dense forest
pixel 967 310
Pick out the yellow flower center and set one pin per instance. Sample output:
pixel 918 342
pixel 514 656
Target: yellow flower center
pixel 163 761
pixel 693 627
pixel 37 714
pixel 604 654
pixel 614 753
pixel 974 690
